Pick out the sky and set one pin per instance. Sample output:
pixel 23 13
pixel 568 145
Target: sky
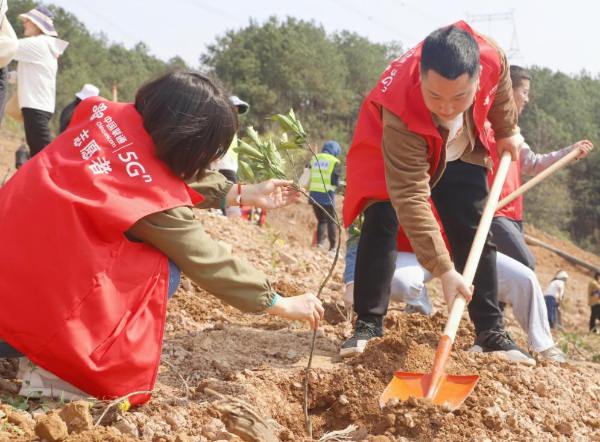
pixel 555 34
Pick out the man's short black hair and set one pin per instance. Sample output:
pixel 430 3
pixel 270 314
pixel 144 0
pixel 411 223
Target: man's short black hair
pixel 518 74
pixel 451 52
pixel 190 119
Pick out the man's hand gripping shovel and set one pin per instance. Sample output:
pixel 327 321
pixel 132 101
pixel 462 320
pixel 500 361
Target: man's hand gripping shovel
pixel 441 388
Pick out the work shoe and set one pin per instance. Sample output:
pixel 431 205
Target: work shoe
pixel 554 354
pixel 498 340
pixel 363 332
pixel 38 383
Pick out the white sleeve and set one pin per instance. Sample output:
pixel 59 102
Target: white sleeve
pixel 8 42
pixel 31 50
pixel 533 163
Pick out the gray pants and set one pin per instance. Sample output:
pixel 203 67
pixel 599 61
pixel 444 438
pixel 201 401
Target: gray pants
pixel 510 240
pixel 517 286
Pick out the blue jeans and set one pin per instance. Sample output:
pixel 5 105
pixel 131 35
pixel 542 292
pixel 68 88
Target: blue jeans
pixel 350 260
pixel 174 279
pixel 552 307
pixel 6 351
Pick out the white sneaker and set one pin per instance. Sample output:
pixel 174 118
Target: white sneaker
pixel 38 383
pixel 554 354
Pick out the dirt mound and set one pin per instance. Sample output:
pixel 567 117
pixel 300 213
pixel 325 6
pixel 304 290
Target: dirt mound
pixel 216 358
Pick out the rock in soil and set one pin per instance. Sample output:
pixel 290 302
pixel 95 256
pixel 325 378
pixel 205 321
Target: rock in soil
pixel 51 428
pixel 77 416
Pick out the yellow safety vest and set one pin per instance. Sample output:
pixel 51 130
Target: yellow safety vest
pixel 321 170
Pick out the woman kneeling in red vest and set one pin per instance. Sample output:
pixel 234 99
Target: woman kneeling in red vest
pixel 104 214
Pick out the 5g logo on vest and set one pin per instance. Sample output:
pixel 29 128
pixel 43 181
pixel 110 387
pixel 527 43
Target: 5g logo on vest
pixel 387 81
pixel 134 168
pixel 393 68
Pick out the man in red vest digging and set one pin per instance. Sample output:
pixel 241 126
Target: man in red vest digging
pixel 421 135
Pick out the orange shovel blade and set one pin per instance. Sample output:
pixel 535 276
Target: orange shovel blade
pixel 451 390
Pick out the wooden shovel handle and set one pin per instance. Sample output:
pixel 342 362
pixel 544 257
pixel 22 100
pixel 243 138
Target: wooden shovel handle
pixel 478 242
pixel 539 177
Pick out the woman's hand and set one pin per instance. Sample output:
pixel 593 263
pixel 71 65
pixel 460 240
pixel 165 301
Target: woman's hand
pixel 270 194
pixel 305 307
pixel 584 146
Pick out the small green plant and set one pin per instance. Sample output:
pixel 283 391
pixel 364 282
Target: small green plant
pixel 12 428
pixel 573 341
pixel 124 405
pixel 275 243
pixel 18 402
pixel 261 158
pixel 289 123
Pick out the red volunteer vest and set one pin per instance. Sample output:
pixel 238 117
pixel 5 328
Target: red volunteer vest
pixel 399 91
pixel 78 298
pixel 514 209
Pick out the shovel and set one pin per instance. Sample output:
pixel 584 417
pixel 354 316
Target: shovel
pixel 539 177
pixel 440 388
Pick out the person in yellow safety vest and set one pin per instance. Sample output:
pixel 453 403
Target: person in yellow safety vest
pixel 324 178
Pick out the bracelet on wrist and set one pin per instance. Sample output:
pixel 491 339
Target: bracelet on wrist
pixel 274 300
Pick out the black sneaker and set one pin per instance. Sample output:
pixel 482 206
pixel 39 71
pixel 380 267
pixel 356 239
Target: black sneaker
pixel 499 341
pixel 363 331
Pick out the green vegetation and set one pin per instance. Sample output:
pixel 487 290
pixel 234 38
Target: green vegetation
pixel 562 111
pixel 295 64
pixel 291 63
pixel 262 158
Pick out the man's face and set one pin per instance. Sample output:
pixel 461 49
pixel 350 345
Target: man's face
pixel 446 98
pixel 521 95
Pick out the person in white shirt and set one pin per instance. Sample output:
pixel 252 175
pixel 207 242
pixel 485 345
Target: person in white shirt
pixel 8 49
pixel 553 295
pixel 37 56
pixel 87 91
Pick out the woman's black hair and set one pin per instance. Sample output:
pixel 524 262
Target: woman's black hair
pixel 189 118
pixel 596 275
